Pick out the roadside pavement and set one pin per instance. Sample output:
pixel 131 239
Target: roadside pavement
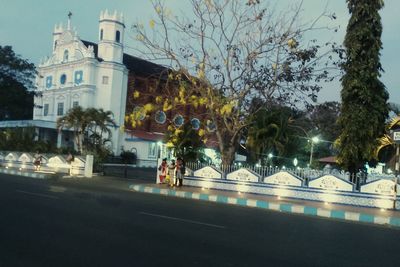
pixel 309 208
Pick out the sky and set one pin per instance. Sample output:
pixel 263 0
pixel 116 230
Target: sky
pixel 27 26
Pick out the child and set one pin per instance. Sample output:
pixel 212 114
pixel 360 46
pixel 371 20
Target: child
pixel 171 173
pixel 180 171
pixel 163 170
pixel 37 161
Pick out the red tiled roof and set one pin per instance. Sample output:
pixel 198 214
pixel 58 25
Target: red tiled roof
pixel 211 143
pixel 154 136
pixel 151 136
pixel 136 65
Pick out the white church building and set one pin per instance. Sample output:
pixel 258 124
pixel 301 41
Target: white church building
pixel 93 75
pixel 80 73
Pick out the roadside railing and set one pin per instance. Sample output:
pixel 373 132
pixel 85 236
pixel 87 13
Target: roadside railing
pixel 306 174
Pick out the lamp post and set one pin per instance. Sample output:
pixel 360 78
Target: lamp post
pixel 313 141
pixel 396 139
pixel 159 147
pixel 295 162
pixel 270 156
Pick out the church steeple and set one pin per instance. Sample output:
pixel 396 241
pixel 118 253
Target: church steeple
pixel 58 30
pixel 69 20
pixel 111 36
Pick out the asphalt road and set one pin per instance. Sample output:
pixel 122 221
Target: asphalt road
pixel 101 223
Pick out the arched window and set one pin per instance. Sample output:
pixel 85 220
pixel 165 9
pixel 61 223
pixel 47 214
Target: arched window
pixel 63 79
pixel 55 44
pixel 101 34
pixel 65 55
pixel 117 36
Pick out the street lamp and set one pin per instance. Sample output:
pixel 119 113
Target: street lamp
pixel 270 156
pixel 295 162
pixel 313 141
pixel 159 146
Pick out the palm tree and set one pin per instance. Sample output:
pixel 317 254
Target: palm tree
pixel 82 120
pixel 269 132
pixel 104 121
pixel 100 123
pixel 77 119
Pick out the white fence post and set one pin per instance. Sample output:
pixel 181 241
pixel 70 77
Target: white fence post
pixel 89 166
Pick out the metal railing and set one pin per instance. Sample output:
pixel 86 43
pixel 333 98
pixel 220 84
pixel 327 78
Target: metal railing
pixel 358 179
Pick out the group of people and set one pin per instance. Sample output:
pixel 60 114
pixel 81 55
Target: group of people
pixel 172 173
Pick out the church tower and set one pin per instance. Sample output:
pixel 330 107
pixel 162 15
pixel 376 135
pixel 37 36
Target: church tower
pixel 111 36
pixel 58 30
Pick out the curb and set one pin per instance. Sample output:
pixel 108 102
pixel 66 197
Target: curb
pixel 25 174
pixel 275 206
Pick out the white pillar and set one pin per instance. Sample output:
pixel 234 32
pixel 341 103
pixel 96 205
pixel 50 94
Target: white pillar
pixel 59 139
pixel 36 134
pixel 89 166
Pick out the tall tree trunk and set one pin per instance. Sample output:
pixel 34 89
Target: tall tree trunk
pixel 78 140
pixel 228 155
pixel 227 147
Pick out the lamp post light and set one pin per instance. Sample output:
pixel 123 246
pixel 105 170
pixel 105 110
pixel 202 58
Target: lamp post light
pixel 159 148
pixel 313 141
pixel 270 156
pixel 295 162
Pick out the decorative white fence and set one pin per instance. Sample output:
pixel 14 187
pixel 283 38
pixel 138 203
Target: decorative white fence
pixel 307 174
pixel 49 163
pixel 297 184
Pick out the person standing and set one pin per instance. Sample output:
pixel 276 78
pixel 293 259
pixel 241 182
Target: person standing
pixel 70 159
pixel 163 170
pixel 37 161
pixel 180 171
pixel 171 173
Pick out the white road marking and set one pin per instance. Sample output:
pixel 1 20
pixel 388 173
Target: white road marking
pixel 182 220
pixel 36 194
pixel 57 189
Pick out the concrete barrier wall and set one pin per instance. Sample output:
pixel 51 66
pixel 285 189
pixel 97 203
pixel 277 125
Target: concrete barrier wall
pixel 327 188
pixel 50 163
pixel 294 192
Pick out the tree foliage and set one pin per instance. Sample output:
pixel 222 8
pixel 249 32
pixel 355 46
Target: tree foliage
pixel 185 142
pixel 269 133
pixel 24 139
pixel 91 122
pixel 225 53
pixel 16 86
pixel 364 97
pixel 324 118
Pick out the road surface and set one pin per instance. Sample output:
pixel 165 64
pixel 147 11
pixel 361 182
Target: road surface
pixel 101 223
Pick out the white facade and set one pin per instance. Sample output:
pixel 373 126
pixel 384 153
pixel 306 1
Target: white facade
pixel 74 75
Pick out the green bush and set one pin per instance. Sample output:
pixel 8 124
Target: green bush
pixel 128 157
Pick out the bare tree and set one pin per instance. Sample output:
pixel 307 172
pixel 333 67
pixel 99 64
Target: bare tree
pixel 225 53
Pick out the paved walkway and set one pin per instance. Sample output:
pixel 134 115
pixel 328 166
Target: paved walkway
pixel 311 208
pixel 30 173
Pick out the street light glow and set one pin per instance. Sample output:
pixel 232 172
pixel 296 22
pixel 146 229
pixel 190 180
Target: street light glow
pixel 315 139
